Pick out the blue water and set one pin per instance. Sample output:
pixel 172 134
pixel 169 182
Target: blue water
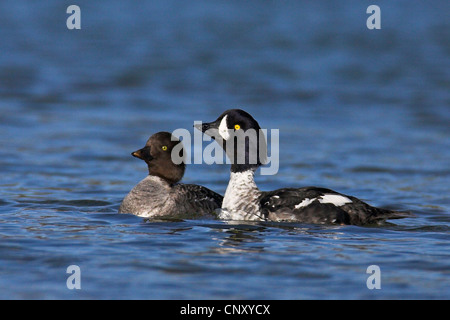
pixel 364 112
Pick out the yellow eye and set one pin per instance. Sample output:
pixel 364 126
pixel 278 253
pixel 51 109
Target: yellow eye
pixel 164 148
pixel 237 127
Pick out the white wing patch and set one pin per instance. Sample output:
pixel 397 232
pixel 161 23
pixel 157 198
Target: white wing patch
pixel 304 203
pixel 223 128
pixel 335 199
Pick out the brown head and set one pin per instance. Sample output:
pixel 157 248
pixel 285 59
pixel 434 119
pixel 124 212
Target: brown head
pixel 164 156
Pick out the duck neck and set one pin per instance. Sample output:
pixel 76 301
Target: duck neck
pixel 241 200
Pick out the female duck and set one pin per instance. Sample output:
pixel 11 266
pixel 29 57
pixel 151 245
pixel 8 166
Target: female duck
pixel 160 194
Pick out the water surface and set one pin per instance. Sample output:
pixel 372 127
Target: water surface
pixel 362 112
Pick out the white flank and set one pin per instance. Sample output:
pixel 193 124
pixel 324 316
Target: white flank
pixel 335 199
pixel 223 128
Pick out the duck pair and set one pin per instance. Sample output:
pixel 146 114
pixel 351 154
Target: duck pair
pixel 161 195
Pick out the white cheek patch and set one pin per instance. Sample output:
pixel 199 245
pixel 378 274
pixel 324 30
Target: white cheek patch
pixel 335 199
pixel 223 128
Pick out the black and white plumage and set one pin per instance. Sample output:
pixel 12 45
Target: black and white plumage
pixel 160 194
pixel 244 201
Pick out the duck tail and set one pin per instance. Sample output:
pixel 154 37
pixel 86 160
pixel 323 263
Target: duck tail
pixel 392 214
